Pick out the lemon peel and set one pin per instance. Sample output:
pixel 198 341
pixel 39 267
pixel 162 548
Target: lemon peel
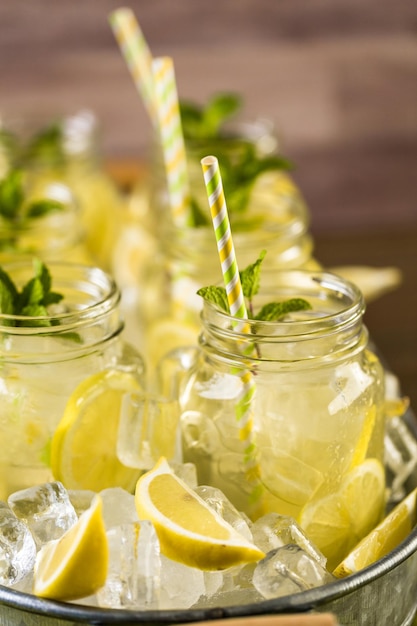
pixel 83 447
pixel 386 536
pixel 189 530
pixel 74 566
pixel 338 521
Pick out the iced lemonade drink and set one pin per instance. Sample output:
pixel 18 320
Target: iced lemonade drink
pixel 58 354
pixel 287 416
pixel 266 210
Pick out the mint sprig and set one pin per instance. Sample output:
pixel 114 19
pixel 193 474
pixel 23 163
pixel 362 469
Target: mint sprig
pixel 239 159
pixel 250 279
pixel 206 121
pixel 31 301
pixel 14 206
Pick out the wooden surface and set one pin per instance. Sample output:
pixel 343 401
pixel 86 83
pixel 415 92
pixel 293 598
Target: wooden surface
pixel 338 79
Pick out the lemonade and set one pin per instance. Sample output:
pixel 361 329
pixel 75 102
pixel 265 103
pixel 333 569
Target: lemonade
pixel 288 416
pixel 45 356
pixel 63 151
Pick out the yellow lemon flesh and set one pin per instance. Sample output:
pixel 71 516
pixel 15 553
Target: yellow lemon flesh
pixel 74 566
pixel 336 523
pixel 83 448
pixel 189 531
pixel 386 536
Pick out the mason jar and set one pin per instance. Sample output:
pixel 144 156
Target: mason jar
pixel 56 235
pixel 169 305
pixel 288 415
pixel 65 149
pixel 270 215
pixel 44 360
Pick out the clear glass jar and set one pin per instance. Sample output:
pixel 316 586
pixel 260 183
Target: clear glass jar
pixel 57 235
pixel 64 149
pixel 283 415
pixel 273 217
pixel 41 366
pixel 169 310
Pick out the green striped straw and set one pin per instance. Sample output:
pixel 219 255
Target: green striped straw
pixel 231 277
pixel 137 55
pixel 172 140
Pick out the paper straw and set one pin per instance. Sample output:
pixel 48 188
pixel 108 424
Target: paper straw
pixel 169 121
pixel 230 271
pixel 137 55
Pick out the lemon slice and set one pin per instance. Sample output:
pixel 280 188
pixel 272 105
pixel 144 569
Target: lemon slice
pixel 83 448
pixel 74 566
pixel 337 522
pixel 388 534
pixel 189 531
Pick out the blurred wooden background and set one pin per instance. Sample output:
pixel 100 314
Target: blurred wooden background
pixel 338 79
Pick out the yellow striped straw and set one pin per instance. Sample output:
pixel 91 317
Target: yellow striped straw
pixel 231 277
pixel 137 55
pixel 172 140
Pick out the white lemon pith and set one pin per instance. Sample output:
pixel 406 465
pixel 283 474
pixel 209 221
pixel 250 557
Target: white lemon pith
pixel 83 449
pixel 74 566
pixel 336 523
pixel 189 530
pixel 386 536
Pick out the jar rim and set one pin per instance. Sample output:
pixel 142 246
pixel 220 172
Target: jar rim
pixel 93 282
pixel 347 298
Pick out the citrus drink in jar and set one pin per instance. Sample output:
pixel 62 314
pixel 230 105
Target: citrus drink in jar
pixel 287 415
pixel 64 368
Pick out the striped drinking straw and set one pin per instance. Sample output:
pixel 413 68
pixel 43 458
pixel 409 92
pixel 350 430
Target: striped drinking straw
pixel 230 271
pixel 137 55
pixel 169 120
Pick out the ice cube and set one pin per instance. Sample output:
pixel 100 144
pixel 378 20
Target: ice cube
pixel 148 429
pixel 134 568
pixel 46 509
pixel 288 570
pixel 400 456
pixel 186 472
pixel 274 531
pixel 221 504
pixel 181 586
pixel 17 548
pixel 118 507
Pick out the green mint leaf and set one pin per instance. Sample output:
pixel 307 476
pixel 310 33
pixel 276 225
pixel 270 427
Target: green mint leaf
pixel 32 293
pixel 276 310
pixel 52 297
pixel 215 294
pixel 218 109
pixel 42 272
pixel 203 122
pixel 6 302
pixel 250 277
pixel 36 311
pixel 46 146
pixel 11 195
pixel 39 208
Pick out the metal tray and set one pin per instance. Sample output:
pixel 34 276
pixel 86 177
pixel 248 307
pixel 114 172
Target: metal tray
pixel 384 594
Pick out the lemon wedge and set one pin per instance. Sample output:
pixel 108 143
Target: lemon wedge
pixel 74 566
pixel 83 448
pixel 337 522
pixel 387 535
pixel 189 531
